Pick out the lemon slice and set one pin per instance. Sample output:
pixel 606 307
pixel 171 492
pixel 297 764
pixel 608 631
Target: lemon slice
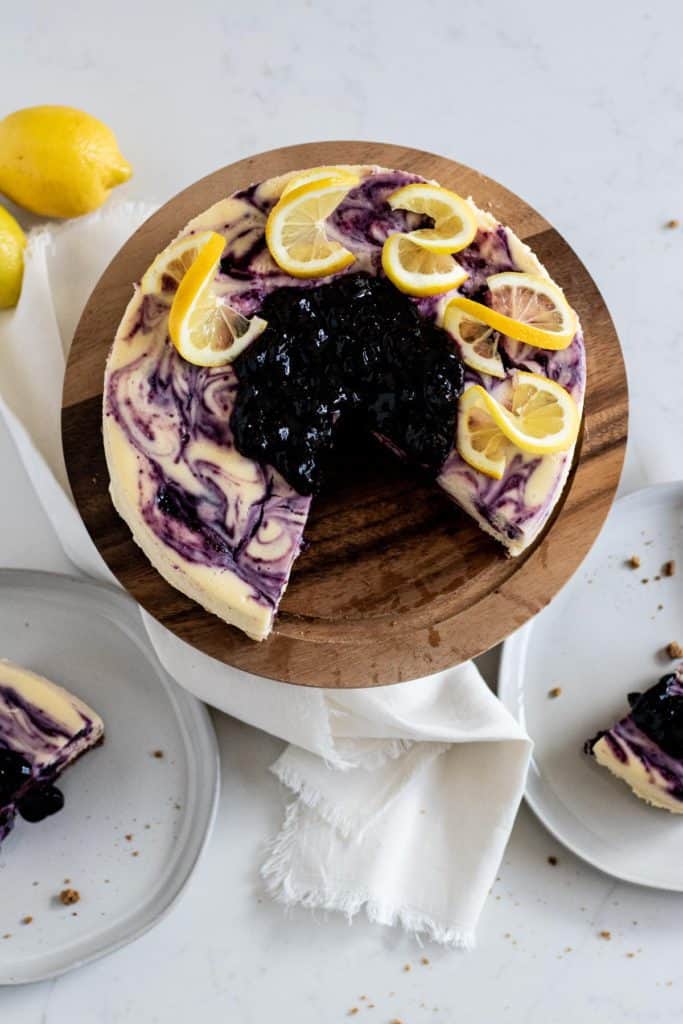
pixel 416 271
pixel 542 419
pixel 480 441
pixel 341 174
pixel 478 343
pixel 455 224
pixel 527 308
pixel 295 230
pixel 171 265
pixel 203 328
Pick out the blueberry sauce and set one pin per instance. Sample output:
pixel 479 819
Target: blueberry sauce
pixel 355 348
pixel 659 714
pixel 34 800
pixel 40 802
pixel 15 772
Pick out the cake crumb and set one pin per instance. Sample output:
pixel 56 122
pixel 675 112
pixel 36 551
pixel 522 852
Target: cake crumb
pixel 67 881
pixel 128 836
pixel 27 920
pixel 552 860
pixel 425 961
pixel 69 896
pixel 568 949
pixel 605 935
pixel 669 568
pixel 645 580
pixel 395 1020
pixel 555 692
pixel 407 967
pixel 352 1012
pixel 630 955
pixel 135 853
pixel 157 753
pixel 634 562
pixel 674 650
pixel 674 222
pixel 7 935
pixel 371 1006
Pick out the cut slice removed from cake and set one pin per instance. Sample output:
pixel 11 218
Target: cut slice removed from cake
pixel 645 748
pixel 43 730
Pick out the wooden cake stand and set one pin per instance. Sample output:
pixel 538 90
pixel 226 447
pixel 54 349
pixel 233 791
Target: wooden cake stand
pixel 395 582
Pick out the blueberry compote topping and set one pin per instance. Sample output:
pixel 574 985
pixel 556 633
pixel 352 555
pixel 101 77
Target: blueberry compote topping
pixel 40 801
pixel 355 347
pixel 659 714
pixel 15 772
pixel 34 801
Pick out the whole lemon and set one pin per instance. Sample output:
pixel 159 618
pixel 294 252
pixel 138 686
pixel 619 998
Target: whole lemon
pixel 12 244
pixel 58 161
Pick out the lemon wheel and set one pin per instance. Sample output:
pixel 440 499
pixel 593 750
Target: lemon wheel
pixel 527 308
pixel 205 330
pixel 295 230
pixel 455 223
pixel 542 418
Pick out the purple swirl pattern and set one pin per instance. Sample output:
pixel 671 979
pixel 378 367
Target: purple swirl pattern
pixel 205 503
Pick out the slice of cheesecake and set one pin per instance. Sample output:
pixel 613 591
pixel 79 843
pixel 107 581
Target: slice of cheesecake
pixel 645 748
pixel 43 730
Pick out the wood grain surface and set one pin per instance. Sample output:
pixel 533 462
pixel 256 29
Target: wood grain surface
pixel 395 583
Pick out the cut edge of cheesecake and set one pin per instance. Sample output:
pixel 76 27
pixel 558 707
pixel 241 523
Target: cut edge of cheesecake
pixel 645 783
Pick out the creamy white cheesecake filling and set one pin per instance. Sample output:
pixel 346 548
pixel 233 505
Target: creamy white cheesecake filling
pixel 223 529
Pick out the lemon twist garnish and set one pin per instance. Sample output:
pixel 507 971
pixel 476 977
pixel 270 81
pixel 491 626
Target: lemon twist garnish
pixel 542 419
pixel 455 223
pixel 341 174
pixel 417 271
pixel 296 234
pixel 478 344
pixel 205 330
pixel 171 265
pixel 527 308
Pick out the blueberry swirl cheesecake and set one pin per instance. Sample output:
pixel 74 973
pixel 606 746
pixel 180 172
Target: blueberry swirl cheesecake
pixel 43 730
pixel 645 748
pixel 334 295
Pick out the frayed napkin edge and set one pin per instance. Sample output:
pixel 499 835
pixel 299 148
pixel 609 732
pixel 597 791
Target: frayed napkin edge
pixel 281 887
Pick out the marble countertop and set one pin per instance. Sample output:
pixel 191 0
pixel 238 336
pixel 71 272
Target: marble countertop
pixel 579 109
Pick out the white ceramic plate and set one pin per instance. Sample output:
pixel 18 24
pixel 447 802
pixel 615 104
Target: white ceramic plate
pixel 600 638
pixel 91 639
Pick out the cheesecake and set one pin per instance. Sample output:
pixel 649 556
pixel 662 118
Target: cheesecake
pixel 645 747
pixel 214 467
pixel 43 730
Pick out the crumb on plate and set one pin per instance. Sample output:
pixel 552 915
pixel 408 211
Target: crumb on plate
pixel 69 896
pixel 674 650
pixel 634 562
pixel 555 692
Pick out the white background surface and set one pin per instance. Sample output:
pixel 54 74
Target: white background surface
pixel 579 109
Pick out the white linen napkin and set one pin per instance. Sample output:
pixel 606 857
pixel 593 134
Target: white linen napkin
pixel 404 796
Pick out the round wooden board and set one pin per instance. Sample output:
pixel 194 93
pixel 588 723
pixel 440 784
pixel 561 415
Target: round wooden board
pixel 396 582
